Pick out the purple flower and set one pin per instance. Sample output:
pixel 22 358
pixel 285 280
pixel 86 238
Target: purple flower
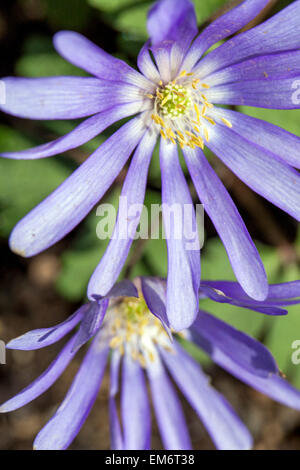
pixel 137 333
pixel 172 97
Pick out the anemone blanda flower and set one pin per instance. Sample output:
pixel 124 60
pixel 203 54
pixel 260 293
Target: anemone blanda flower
pixel 137 333
pixel 172 97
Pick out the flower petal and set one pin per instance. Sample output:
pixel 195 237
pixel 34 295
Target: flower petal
pixel 249 353
pixel 279 294
pixel 241 251
pixel 273 385
pixel 64 97
pixel 280 142
pixel 223 27
pixel 277 34
pixel 116 436
pixel 262 307
pixel 65 424
pixel 266 68
pixel 169 23
pixel 83 53
pixel 168 410
pixel 82 133
pixel 37 339
pixel 258 168
pixel 128 218
pixel 135 408
pixel 225 428
pixel 272 94
pixel 60 212
pixel 154 292
pixel 182 241
pixel 44 381
pixel 91 322
pixel 146 64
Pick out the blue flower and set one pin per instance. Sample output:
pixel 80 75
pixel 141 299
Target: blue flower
pixel 137 333
pixel 171 98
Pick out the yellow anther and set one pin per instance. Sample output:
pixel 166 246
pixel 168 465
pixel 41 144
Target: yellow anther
pixel 204 85
pixel 180 135
pixel 182 74
pixel 149 96
pixel 115 342
pixel 209 105
pixel 163 134
pixel 190 74
pixel 196 129
pixel 141 360
pixel 170 133
pixel 206 135
pixel 151 356
pixel 165 100
pixel 160 82
pixel 203 110
pixel 228 123
pixel 209 119
pixel 195 83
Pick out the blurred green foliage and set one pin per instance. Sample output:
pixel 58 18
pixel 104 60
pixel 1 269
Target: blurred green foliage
pixel 24 184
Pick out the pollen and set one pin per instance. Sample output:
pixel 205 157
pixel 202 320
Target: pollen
pixel 182 111
pixel 173 100
pixel 134 329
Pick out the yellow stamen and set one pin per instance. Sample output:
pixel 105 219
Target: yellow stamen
pixel 209 119
pixel 228 123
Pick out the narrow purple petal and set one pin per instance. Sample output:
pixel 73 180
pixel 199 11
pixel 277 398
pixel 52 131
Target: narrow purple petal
pixel 91 322
pixel 225 428
pixel 84 132
pixel 128 218
pixel 83 53
pixel 280 142
pixel 135 408
pixel 241 250
pixel 44 381
pixel 146 64
pixel 273 385
pixel 37 339
pixel 261 307
pixel 123 288
pixel 182 241
pixel 167 22
pixel 223 27
pixel 64 97
pixel 279 294
pixel 258 168
pixel 272 94
pixel 247 352
pixel 116 437
pixel 168 410
pixel 60 212
pixel 154 292
pixel 266 68
pixel 277 34
pixel 67 421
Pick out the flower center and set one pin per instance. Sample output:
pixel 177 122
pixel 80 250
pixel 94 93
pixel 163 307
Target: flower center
pixel 173 100
pixel 182 111
pixel 135 329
